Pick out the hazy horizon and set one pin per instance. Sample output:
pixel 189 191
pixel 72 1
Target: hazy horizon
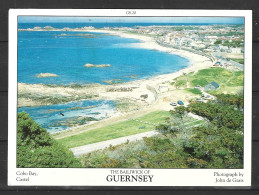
pixel 173 20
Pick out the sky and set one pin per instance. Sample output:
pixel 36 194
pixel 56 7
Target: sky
pixel 47 19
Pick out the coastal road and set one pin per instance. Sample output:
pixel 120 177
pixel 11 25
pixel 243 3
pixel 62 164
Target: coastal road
pixel 102 145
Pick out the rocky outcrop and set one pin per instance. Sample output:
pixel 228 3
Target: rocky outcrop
pixel 43 75
pixel 97 65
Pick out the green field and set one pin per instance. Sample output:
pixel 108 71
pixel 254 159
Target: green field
pixel 240 61
pixel 194 91
pixel 228 80
pixel 121 129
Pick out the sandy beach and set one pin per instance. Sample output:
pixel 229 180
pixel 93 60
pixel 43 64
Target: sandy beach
pixel 148 42
pixel 197 62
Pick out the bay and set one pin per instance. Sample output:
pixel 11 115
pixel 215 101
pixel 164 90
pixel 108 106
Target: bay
pixel 66 53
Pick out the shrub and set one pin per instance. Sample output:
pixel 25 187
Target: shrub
pixel 179 111
pixel 30 133
pixel 219 147
pixel 166 129
pixel 219 115
pixel 196 163
pixel 237 100
pixel 111 163
pixel 36 148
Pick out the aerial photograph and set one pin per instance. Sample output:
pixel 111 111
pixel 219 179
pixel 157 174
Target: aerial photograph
pixel 130 92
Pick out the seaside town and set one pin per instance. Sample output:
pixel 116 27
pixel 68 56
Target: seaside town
pixel 220 43
pixel 223 44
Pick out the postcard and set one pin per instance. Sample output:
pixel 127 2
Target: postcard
pixel 129 97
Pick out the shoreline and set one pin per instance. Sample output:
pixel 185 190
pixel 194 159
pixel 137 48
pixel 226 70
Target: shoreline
pixel 148 42
pixel 148 86
pixel 196 61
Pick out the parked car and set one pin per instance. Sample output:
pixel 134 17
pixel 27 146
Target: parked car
pixel 180 102
pixel 173 104
pixel 208 97
pixel 198 100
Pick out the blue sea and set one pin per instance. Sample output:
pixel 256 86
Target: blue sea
pixel 59 117
pixel 65 53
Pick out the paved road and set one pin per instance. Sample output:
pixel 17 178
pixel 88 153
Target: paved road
pixel 101 145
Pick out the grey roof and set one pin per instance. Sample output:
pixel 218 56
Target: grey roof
pixel 216 85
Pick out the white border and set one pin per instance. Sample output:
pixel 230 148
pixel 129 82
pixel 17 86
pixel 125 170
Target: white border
pixel 97 177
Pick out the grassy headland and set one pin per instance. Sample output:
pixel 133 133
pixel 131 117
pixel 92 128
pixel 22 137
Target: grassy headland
pixel 229 81
pixel 215 143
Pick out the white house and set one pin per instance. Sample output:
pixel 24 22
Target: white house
pixel 163 88
pixel 236 50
